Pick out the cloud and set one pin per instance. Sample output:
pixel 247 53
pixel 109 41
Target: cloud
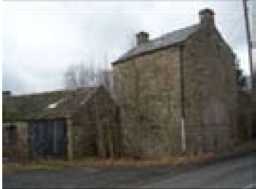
pixel 41 39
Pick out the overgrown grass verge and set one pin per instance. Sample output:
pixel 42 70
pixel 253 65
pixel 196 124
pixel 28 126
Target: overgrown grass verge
pixel 58 165
pixel 9 168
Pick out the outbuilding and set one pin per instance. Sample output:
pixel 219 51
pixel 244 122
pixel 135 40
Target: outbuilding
pixel 63 124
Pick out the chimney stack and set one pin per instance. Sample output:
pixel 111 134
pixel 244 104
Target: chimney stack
pixel 207 17
pixel 142 37
pixel 6 93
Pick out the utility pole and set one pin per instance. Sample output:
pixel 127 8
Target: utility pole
pixel 249 41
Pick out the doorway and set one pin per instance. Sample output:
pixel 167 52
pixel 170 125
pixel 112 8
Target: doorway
pixel 47 138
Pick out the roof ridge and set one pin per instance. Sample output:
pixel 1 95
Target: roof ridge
pixel 38 93
pixel 163 41
pixel 176 30
pixel 84 100
pixel 51 92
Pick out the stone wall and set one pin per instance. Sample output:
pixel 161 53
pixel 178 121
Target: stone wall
pixel 245 115
pixel 148 92
pixel 95 128
pixel 197 77
pixel 82 134
pixel 210 92
pixel 19 149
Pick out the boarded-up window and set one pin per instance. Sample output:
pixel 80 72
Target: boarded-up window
pixel 10 135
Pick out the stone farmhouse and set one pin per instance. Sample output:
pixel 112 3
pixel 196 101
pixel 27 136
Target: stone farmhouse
pixel 63 124
pixel 178 92
pixel 174 94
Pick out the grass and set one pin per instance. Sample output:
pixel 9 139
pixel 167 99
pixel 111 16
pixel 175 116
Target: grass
pixel 58 165
pixel 10 168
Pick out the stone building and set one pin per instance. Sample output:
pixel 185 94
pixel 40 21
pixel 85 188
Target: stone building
pixel 65 124
pixel 245 115
pixel 178 92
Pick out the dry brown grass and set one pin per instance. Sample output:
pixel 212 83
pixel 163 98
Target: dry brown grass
pixel 57 165
pixel 168 161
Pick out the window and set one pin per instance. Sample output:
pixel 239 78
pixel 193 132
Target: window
pixel 10 135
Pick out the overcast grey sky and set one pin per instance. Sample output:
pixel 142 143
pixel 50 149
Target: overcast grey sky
pixel 41 39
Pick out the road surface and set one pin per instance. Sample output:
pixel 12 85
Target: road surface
pixel 233 173
pixel 236 173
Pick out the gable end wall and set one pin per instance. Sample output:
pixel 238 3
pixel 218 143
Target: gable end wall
pixel 210 92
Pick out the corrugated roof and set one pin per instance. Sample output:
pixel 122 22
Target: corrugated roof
pixel 47 105
pixel 166 40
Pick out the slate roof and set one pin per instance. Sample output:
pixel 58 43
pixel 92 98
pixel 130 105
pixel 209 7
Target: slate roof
pixel 47 105
pixel 166 40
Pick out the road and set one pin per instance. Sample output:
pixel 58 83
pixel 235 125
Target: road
pixel 233 173
pixel 238 173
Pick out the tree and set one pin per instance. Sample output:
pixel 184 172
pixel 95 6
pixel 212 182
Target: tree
pixel 240 77
pixel 79 75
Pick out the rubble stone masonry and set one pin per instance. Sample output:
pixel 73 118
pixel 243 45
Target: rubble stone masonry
pixel 195 78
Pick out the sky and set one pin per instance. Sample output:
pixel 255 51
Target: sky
pixel 41 39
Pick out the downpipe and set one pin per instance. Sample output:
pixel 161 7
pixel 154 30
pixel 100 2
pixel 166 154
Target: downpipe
pixel 183 136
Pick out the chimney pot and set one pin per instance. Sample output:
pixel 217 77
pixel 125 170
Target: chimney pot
pixel 142 37
pixel 206 16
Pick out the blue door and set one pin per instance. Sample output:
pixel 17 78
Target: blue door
pixel 47 138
